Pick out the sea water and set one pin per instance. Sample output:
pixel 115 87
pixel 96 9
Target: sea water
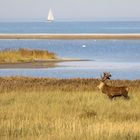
pixel 70 27
pixel 120 57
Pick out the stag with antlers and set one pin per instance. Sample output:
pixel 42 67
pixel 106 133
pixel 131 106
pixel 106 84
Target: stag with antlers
pixel 111 91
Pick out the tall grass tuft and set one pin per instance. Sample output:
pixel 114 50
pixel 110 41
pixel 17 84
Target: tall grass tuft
pixel 25 55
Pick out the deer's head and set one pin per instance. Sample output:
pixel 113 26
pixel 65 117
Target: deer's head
pixel 106 76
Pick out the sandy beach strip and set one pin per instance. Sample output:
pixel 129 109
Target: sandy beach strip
pixel 69 36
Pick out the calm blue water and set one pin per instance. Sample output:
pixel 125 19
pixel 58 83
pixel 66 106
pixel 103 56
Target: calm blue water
pixel 120 57
pixel 70 27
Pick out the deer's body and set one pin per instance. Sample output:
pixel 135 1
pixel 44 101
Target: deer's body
pixel 112 91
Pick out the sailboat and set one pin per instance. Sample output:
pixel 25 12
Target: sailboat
pixel 50 16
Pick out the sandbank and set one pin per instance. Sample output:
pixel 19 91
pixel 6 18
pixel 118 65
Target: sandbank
pixel 70 36
pixel 50 63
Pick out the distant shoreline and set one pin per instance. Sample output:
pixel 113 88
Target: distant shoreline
pixel 70 36
pixel 50 63
pixel 28 58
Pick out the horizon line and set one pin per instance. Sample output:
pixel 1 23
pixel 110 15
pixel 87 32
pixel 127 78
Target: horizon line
pixel 68 20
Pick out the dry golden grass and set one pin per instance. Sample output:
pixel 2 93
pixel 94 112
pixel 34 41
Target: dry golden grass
pixel 24 55
pixel 8 84
pixel 66 109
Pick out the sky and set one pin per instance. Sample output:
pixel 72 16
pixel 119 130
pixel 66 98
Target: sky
pixel 75 10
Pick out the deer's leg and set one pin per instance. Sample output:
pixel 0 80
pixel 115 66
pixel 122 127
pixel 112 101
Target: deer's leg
pixel 126 95
pixel 110 96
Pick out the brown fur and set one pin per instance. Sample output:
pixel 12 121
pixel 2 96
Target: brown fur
pixel 112 91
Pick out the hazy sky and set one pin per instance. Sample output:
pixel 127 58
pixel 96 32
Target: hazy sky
pixel 70 9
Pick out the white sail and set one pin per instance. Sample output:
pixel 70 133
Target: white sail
pixel 50 16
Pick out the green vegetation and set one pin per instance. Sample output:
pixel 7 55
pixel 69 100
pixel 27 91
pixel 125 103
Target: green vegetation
pixel 66 109
pixel 24 55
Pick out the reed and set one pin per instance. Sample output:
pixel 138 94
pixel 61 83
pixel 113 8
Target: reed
pixel 48 108
pixel 24 55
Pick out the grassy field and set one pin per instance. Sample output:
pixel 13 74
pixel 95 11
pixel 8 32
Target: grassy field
pixel 66 109
pixel 24 55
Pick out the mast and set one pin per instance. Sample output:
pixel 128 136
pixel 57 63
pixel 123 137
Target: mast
pixel 50 16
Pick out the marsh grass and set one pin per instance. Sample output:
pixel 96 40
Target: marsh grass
pixel 8 84
pixel 46 113
pixel 24 55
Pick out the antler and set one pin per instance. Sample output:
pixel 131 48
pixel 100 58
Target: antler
pixel 106 75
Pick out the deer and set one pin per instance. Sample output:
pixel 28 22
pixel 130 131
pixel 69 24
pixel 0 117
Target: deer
pixel 112 91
